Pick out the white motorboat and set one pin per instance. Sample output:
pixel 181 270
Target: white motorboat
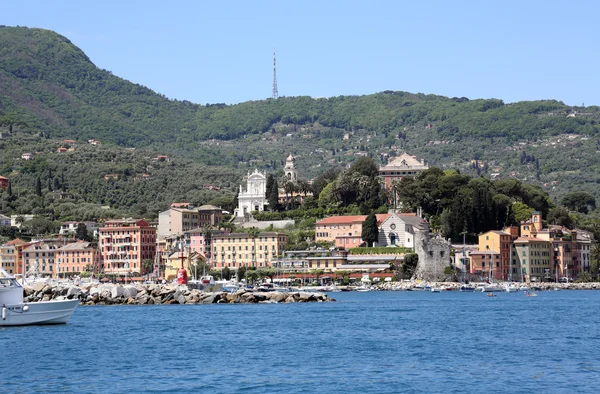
pixel 436 289
pixel 511 288
pixel 489 288
pixel 363 288
pixel 15 312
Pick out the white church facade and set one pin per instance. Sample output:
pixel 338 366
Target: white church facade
pixel 254 197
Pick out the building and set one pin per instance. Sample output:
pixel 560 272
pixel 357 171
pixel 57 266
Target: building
pixel 175 221
pixel 532 259
pixel 16 220
pixel 124 244
pixel 3 183
pixel 27 156
pixel 174 261
pixel 71 227
pixel 343 231
pixel 398 229
pixel 254 197
pixel 500 243
pixel 39 258
pixel 11 254
pixel 290 169
pixel 240 249
pixel 401 167
pixel 75 258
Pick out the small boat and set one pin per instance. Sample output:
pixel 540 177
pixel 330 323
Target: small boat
pixel 207 280
pixel 15 312
pixel 363 288
pixel 510 288
pixel 436 290
pixel 466 289
pixel 489 288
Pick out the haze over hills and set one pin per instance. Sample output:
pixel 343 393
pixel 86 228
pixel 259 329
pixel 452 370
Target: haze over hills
pixel 50 89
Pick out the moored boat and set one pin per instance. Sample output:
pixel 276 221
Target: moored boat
pixel 15 312
pixel 466 288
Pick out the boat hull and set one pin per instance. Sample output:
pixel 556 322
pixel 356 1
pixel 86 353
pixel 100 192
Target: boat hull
pixel 37 313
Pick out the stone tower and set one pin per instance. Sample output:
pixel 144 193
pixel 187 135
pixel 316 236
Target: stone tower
pixel 434 256
pixel 290 169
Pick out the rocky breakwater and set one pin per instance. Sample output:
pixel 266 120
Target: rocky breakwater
pixel 149 294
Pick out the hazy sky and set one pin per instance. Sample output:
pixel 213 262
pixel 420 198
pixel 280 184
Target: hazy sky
pixel 222 51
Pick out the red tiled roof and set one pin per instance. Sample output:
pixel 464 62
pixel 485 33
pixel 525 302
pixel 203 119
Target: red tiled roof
pixel 351 219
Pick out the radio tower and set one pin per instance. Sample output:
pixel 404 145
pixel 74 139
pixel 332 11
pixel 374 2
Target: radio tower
pixel 275 93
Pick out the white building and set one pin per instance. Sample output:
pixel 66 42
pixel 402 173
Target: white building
pixel 254 198
pixel 290 169
pixel 398 229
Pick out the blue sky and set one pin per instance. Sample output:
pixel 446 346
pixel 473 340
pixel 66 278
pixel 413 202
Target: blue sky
pixel 222 51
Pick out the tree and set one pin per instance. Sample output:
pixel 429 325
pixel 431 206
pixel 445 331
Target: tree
pixel 409 264
pixel 81 232
pixel 370 231
pixel 147 266
pixel 38 186
pixel 560 216
pixel 273 195
pixel 581 202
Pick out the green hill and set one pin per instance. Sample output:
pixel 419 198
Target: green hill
pixel 50 90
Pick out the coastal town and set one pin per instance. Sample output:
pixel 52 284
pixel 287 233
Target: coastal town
pixel 228 243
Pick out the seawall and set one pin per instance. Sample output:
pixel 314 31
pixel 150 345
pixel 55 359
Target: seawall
pixel 152 294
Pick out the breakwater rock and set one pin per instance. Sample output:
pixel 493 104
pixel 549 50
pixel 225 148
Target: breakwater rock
pixel 148 294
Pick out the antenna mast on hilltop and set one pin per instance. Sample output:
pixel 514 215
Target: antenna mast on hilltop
pixel 275 93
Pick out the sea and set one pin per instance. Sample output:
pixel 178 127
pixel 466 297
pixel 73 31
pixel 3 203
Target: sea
pixel 371 342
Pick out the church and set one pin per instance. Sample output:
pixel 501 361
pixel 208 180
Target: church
pixel 254 198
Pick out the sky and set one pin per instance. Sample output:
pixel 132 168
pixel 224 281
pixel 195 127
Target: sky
pixel 222 51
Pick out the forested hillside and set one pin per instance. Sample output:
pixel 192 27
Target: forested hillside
pixel 51 91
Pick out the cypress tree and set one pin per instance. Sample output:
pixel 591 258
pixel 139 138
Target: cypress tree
pixel 38 186
pixel 370 231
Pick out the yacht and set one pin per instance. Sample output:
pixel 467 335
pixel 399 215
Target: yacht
pixel 15 312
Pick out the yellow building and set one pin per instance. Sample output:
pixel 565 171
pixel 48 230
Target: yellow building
pixel 241 249
pixel 498 242
pixel 11 256
pixel 173 264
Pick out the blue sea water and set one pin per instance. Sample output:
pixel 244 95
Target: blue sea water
pixel 377 342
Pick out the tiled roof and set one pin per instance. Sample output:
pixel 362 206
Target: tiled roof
pixel 351 219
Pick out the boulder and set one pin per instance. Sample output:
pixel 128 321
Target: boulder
pixel 211 299
pixel 129 291
pixel 116 291
pixel 73 292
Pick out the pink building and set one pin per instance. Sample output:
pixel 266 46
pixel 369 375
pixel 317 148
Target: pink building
pixel 124 244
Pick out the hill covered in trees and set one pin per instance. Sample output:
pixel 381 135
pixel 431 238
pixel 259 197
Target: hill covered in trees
pixel 51 91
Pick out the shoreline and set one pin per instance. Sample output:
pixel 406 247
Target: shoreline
pixel 456 285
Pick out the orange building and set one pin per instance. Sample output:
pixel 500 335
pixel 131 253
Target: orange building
pixel 75 258
pixel 124 244
pixel 343 231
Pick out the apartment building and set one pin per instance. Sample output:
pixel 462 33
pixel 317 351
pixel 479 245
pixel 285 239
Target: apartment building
pixel 75 258
pixel 124 244
pixel 177 220
pixel 11 254
pixel 235 250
